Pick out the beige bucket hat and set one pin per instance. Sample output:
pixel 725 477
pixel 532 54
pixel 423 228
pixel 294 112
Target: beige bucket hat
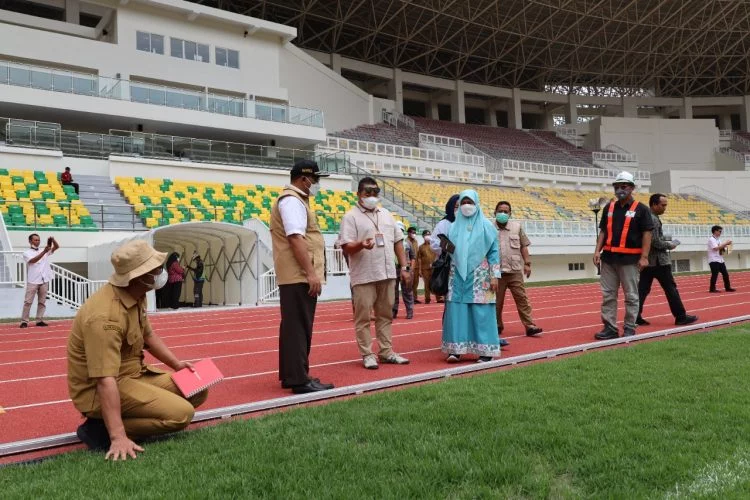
pixel 132 259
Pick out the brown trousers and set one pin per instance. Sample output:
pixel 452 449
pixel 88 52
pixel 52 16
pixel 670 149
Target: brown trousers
pixel 426 275
pixel 152 405
pixel 379 297
pixel 514 282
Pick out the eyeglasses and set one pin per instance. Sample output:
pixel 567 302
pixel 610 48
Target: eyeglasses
pixel 371 190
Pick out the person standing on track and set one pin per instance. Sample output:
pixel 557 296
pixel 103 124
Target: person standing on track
pixel 660 268
pixel 425 258
pixel 716 248
pixel 38 274
pixel 443 228
pixel 122 398
pixel 515 262
pixel 372 241
pixel 299 262
pixel 622 250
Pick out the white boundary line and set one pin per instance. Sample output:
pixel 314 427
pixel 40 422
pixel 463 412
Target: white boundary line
pixel 244 409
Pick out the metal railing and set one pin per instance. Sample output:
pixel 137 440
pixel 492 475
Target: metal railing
pixel 717 199
pixel 558 170
pixel 616 157
pixel 440 140
pixel 743 158
pixel 111 217
pixel 725 133
pixel 394 169
pixel 393 118
pixel 570 135
pixel 587 229
pixel 70 82
pixel 398 151
pixel 490 163
pixel 65 286
pixel 22 133
pixel 335 262
pixel 269 289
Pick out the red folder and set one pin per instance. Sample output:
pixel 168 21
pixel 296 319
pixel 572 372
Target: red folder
pixel 205 375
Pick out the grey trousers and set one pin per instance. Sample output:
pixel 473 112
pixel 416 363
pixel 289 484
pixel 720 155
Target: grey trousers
pixel 613 276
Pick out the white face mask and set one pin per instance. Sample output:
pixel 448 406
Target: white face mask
pixel 159 281
pixel 468 210
pixel 428 238
pixel 371 202
pixel 314 188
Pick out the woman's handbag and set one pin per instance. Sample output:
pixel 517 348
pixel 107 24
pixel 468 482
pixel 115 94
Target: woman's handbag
pixel 440 273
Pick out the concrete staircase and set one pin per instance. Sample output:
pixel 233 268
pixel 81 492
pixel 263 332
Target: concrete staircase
pixel 107 206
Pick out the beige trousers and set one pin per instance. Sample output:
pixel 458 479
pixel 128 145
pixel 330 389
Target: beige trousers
pixel 152 405
pixel 40 291
pixel 379 297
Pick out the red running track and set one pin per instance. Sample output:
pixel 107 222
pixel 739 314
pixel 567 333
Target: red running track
pixel 244 344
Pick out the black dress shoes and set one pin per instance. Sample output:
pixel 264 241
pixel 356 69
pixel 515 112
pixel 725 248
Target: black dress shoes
pixel 686 320
pixel 311 386
pixel 533 330
pixel 93 433
pixel 731 290
pixel 641 321
pixel 284 385
pixel 607 334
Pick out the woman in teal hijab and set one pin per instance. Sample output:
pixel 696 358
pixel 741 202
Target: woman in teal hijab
pixel 470 323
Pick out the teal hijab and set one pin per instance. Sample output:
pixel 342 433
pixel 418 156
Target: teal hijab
pixel 473 236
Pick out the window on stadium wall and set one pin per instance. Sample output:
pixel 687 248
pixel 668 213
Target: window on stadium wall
pixel 681 266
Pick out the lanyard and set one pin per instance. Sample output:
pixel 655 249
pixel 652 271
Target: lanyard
pixel 375 222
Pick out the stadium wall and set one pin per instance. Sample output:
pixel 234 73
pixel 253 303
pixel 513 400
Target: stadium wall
pixel 310 82
pixel 731 185
pixel 660 144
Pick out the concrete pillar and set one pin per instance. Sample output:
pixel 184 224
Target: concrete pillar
pixel 490 115
pixel 725 121
pixel 571 110
pixel 396 90
pixel 686 111
pixel 629 107
pixel 515 120
pixel 745 113
pixel 336 63
pixel 549 119
pixel 433 109
pixel 73 12
pixel 458 106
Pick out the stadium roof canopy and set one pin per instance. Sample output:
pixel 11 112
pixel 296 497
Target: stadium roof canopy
pixel 662 47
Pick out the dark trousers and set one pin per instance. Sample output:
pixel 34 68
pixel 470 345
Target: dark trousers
pixel 295 333
pixel 174 295
pixel 716 268
pixel 406 293
pixel 662 274
pixel 197 293
pixel 74 184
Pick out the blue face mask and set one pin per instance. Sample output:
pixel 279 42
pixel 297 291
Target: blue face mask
pixel 502 218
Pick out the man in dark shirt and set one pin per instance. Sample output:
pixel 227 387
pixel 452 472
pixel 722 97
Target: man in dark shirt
pixel 660 268
pixel 198 280
pixel 622 250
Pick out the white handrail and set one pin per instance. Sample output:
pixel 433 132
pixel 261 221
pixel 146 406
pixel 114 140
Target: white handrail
pixel 743 158
pixel 725 134
pixel 399 151
pixel 547 169
pixel 335 262
pixel 440 140
pixel 65 286
pixel 618 157
pixel 405 170
pixel 335 266
pixel 269 290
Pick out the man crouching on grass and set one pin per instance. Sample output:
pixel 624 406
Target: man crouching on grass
pixel 122 398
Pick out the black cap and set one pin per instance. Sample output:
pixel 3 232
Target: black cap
pixel 307 167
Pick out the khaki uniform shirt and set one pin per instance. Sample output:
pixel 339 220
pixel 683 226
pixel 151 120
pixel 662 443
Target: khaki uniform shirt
pixel 512 239
pixel 369 266
pixel 107 340
pixel 425 257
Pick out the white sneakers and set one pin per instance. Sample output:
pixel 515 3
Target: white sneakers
pixel 371 362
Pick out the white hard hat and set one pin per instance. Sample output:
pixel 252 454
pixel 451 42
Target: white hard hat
pixel 624 177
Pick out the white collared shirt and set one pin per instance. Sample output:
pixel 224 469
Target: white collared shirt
pixel 293 213
pixel 38 272
pixel 713 250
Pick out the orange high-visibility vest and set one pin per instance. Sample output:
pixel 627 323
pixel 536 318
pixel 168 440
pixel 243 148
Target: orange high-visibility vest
pixel 620 248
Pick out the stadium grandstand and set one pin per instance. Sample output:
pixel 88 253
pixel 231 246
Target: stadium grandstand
pixel 180 121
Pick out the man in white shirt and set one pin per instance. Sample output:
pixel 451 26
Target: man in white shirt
pixel 371 240
pixel 715 260
pixel 38 274
pixel 299 262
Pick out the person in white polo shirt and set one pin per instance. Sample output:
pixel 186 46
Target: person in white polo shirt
pixel 716 249
pixel 37 277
